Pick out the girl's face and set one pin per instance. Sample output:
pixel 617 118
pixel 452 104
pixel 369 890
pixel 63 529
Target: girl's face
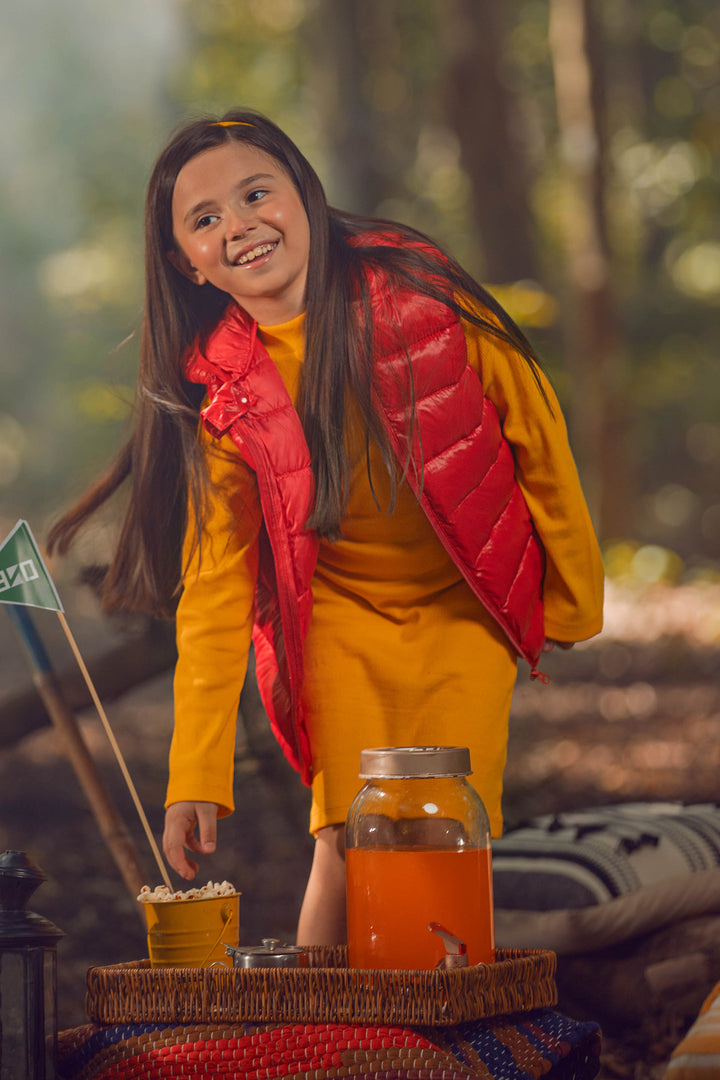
pixel 239 223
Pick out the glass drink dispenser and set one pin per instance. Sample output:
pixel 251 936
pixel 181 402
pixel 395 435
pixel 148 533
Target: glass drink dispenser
pixel 418 862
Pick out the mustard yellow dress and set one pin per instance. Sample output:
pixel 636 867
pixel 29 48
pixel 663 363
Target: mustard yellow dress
pixel 399 651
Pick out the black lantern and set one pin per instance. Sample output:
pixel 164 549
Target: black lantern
pixel 28 976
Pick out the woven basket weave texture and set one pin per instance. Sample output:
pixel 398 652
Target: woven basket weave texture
pixel 326 992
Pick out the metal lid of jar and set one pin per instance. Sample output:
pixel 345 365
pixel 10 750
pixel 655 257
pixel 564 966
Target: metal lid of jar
pixel 404 762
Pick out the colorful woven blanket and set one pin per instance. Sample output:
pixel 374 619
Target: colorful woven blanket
pixel 537 1044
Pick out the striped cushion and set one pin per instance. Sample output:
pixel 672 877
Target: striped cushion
pixel 584 880
pixel 592 856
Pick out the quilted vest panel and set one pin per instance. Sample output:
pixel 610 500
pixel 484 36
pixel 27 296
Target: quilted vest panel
pixel 462 471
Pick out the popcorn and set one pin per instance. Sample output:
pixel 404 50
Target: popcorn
pixel 163 894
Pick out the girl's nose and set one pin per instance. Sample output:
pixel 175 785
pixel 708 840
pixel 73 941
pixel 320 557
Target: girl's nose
pixel 238 222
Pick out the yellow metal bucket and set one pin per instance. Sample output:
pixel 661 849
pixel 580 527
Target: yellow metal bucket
pixel 192 933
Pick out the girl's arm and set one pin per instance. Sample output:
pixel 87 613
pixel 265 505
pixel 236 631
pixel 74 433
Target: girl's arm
pixel 214 626
pixel 546 472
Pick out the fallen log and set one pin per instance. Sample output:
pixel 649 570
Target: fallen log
pixel 645 991
pixel 125 666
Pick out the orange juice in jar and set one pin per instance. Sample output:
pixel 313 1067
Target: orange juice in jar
pixel 417 853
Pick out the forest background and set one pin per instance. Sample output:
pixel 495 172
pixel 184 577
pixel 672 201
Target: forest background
pixel 566 151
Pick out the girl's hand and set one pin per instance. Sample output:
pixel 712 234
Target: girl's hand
pixel 181 818
pixel 550 644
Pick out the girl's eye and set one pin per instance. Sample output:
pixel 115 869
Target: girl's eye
pixel 256 194
pixel 205 220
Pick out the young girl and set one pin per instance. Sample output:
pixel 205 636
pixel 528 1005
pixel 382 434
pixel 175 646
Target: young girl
pixel 345 452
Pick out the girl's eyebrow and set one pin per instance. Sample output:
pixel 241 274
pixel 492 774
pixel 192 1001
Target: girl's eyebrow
pixel 205 203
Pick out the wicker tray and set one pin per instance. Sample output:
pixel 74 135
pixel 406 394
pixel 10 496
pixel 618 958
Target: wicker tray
pixel 326 992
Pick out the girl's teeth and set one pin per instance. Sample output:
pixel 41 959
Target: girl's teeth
pixel 255 253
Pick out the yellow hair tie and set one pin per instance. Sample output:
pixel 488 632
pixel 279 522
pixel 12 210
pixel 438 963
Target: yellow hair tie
pixel 231 123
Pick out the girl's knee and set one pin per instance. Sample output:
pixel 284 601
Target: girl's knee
pixel 330 842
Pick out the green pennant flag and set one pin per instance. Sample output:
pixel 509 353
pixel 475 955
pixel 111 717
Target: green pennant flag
pixel 24 578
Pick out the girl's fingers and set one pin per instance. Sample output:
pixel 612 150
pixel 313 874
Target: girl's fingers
pixel 207 827
pixel 550 644
pixel 180 821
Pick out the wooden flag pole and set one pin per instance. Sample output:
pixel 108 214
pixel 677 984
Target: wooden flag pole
pixel 116 750
pixel 108 818
pixel 25 581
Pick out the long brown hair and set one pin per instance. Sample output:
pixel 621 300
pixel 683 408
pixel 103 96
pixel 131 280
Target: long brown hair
pixel 162 459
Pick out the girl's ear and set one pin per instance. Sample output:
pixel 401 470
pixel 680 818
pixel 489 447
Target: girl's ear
pixel 183 265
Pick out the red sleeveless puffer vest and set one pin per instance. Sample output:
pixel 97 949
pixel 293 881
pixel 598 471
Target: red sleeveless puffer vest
pixel 462 471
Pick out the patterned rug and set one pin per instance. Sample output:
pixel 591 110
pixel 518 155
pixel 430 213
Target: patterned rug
pixel 537 1044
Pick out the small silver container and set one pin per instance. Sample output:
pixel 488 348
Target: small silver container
pixel 270 954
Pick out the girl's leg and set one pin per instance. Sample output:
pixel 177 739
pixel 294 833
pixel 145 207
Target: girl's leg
pixel 322 916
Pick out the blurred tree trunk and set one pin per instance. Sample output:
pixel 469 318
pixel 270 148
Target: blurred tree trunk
pixel 594 337
pixel 484 114
pixel 335 36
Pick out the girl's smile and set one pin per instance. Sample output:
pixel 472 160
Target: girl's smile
pixel 240 224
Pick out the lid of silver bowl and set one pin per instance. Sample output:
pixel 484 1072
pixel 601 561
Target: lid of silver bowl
pixel 271 953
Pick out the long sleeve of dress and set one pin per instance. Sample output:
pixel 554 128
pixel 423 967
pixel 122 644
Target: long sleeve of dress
pixel 546 472
pixel 214 627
